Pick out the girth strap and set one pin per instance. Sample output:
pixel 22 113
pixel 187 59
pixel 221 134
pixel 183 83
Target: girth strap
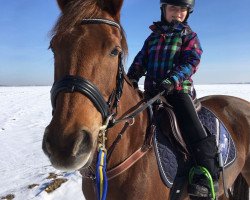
pixel 78 84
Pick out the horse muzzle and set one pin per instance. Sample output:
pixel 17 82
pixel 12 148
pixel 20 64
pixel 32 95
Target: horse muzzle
pixel 68 153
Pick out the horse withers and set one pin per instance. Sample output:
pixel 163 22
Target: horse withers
pixel 89 46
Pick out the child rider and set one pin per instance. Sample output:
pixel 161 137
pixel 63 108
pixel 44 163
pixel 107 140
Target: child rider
pixel 169 58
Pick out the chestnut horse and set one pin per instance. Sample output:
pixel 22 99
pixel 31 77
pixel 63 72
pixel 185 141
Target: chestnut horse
pixel 88 43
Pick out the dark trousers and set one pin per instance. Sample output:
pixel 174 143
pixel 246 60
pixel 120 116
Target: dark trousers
pixel 190 125
pixel 203 147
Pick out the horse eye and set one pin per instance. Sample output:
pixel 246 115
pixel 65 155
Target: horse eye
pixel 114 52
pixel 51 47
pixel 52 50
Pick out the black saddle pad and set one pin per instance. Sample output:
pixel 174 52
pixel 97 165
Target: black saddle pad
pixel 172 164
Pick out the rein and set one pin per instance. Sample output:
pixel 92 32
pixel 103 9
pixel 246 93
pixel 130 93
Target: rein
pixel 108 110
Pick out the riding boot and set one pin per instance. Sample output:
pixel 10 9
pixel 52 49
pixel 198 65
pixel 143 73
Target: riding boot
pixel 205 155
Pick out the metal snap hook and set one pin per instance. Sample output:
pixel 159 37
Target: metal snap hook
pixel 106 123
pixel 132 121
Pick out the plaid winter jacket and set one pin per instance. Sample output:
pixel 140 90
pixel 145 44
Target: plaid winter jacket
pixel 171 51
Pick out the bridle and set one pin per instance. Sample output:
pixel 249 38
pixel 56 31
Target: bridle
pixel 108 110
pixel 72 83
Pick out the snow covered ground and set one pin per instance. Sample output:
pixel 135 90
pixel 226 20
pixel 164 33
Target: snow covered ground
pixel 24 169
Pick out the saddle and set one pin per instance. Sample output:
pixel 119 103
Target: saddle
pixel 173 158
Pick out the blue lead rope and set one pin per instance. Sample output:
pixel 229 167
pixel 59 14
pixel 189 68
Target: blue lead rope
pixel 101 176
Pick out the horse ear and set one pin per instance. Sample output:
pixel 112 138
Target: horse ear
pixel 113 7
pixel 62 3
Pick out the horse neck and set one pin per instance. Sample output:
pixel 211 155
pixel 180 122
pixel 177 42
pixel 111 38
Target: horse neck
pixel 131 141
pixel 134 136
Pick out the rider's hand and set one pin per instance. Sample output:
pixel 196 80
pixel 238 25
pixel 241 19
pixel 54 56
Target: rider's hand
pixel 167 85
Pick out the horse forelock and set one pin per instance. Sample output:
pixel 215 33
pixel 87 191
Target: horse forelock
pixel 78 10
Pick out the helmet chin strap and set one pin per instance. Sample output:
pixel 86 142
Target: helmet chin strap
pixel 163 13
pixel 185 20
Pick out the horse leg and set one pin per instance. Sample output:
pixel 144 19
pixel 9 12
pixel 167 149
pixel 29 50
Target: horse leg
pixel 246 170
pixel 240 189
pixel 223 197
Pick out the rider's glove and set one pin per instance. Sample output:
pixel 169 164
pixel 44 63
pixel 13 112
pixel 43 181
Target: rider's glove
pixel 167 85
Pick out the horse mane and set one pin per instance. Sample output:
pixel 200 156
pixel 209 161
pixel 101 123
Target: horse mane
pixel 75 11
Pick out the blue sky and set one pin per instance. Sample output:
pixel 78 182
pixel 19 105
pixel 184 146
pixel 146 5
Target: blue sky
pixel 222 25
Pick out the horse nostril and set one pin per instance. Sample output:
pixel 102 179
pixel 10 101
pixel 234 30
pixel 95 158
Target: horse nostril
pixel 81 143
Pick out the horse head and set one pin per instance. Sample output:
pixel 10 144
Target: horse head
pixel 88 43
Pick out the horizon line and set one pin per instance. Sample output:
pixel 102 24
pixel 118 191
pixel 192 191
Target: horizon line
pixel 37 85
